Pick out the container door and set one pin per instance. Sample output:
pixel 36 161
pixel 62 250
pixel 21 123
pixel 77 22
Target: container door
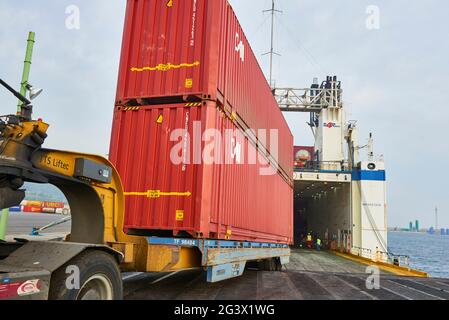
pixel 160 182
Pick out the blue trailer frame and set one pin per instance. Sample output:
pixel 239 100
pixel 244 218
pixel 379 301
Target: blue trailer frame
pixel 224 259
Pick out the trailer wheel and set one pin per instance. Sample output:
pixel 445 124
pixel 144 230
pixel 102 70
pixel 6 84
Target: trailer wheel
pixel 273 264
pixel 100 278
pixel 278 264
pixel 267 265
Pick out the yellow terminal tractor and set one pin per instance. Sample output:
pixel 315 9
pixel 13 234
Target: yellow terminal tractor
pixel 88 264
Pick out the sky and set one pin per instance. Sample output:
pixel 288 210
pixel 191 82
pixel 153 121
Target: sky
pixel 395 74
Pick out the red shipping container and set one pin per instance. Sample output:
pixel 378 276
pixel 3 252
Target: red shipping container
pixel 171 186
pixel 30 203
pixel 177 51
pixel 54 205
pixel 29 209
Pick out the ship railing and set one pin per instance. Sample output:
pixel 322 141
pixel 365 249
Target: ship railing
pixel 362 252
pixel 329 95
pixel 381 256
pixel 317 166
pixel 394 259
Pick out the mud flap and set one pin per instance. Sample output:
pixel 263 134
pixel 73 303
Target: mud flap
pixel 285 260
pixel 26 285
pixel 225 271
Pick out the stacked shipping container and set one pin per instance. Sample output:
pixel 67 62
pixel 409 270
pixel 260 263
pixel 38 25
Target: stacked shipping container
pixel 186 65
pixel 31 206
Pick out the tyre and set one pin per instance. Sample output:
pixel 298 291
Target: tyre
pixel 267 265
pixel 278 264
pixel 99 278
pixel 273 264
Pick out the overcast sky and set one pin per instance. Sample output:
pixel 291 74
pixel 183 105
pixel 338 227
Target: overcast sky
pixel 394 78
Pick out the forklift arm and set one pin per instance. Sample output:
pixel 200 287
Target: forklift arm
pixel 90 183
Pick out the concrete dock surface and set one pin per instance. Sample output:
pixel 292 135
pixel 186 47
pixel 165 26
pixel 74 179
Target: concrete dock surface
pixel 311 275
pixel 23 223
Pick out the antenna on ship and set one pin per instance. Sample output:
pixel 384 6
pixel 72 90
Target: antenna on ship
pixel 273 11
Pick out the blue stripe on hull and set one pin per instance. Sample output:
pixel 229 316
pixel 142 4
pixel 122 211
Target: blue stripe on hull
pixel 365 175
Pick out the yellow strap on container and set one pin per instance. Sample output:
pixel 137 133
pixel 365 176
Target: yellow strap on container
pixel 166 67
pixel 154 194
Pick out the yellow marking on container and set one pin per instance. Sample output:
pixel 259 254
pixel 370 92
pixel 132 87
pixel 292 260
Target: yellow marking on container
pixel 176 194
pixel 189 83
pixel 166 67
pixel 155 194
pixel 131 109
pixel 179 215
pixel 170 3
pixel 160 119
pixel 194 104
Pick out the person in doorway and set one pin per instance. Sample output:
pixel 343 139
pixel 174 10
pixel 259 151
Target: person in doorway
pixel 309 241
pixel 318 244
pixel 326 239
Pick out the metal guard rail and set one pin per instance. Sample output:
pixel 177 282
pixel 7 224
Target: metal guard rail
pixel 313 166
pixel 394 259
pixel 381 256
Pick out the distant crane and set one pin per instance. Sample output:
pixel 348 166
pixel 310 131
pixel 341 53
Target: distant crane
pixel 436 219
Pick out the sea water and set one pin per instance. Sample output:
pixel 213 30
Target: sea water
pixel 429 253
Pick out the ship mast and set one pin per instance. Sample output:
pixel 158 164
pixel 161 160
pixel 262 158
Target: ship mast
pixel 273 11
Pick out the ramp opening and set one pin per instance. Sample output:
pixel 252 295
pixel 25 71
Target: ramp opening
pixel 323 209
